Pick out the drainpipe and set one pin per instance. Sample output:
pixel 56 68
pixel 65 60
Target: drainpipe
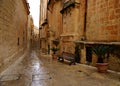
pixel 85 19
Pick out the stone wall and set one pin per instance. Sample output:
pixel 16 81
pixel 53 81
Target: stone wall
pixel 43 24
pixel 30 31
pixel 57 19
pixel 71 26
pixel 54 21
pixel 86 22
pixel 43 10
pixel 13 30
pixel 36 38
pixel 103 20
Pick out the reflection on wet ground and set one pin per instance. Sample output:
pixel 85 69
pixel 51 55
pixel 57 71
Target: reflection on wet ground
pixel 37 69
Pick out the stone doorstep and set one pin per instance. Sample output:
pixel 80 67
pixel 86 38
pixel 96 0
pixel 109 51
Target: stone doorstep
pixel 92 67
pixel 111 71
pixel 97 73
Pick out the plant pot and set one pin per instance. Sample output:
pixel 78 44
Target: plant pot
pixel 102 67
pixel 54 56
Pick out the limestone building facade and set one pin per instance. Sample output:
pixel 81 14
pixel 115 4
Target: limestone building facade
pixel 36 37
pixel 83 23
pixel 102 27
pixel 54 22
pixel 51 25
pixel 30 31
pixel 13 30
pixel 43 25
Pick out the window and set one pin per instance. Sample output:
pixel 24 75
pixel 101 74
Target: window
pixel 18 41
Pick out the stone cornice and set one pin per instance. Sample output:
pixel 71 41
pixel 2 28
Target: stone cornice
pixel 96 42
pixel 26 5
pixel 44 22
pixel 67 35
pixel 49 2
pixel 67 5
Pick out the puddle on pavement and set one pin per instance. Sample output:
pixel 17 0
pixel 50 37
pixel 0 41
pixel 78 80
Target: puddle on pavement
pixel 41 83
pixel 37 77
pixel 10 77
pixel 42 79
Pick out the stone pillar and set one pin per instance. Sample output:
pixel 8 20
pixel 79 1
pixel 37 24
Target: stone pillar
pixel 83 54
pixel 94 59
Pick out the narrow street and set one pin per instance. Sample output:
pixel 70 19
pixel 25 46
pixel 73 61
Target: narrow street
pixel 84 32
pixel 37 69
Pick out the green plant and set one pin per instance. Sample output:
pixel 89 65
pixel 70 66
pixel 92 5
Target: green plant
pixel 102 51
pixel 54 50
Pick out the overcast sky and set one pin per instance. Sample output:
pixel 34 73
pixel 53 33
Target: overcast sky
pixel 34 10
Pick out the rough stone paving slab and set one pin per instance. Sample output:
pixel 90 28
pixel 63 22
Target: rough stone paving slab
pixel 10 77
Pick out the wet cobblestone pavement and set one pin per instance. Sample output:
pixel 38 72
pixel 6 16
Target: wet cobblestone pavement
pixel 37 69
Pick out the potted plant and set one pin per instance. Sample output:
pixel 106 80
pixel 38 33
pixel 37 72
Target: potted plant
pixel 102 52
pixel 54 50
